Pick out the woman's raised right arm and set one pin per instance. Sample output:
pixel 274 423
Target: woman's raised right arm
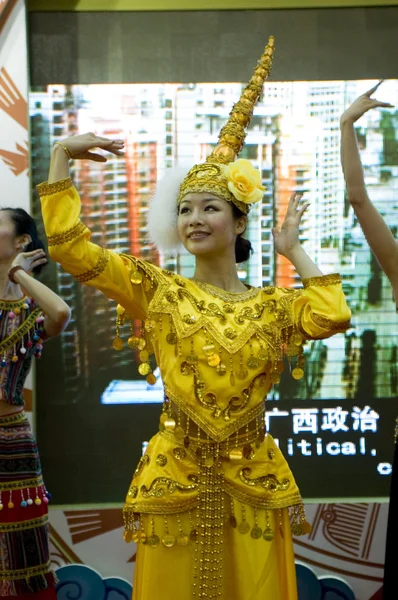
pixel 125 279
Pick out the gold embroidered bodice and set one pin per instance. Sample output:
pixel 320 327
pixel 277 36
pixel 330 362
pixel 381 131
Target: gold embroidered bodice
pixel 219 354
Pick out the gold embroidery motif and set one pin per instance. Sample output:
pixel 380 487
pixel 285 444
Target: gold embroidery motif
pixel 144 460
pixel 170 485
pixel 26 573
pixel 250 313
pixel 323 280
pixel 48 189
pixel 97 270
pixel 321 321
pixel 171 297
pixel 189 319
pixel 24 525
pixel 211 311
pixel 152 273
pixel 268 501
pixel 67 235
pixel 179 281
pixel 12 304
pixel 229 308
pixel 229 297
pixel 212 430
pixel 161 460
pixel 230 333
pixel 235 404
pixel 268 482
pixel 330 325
pixel 133 491
pixel 23 484
pixel 12 420
pixel 269 290
pixel 22 330
pixel 179 453
pixel 272 332
pixel 180 506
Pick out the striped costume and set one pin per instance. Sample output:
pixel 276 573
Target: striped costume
pixel 24 555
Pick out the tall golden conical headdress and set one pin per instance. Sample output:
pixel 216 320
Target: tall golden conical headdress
pixel 211 176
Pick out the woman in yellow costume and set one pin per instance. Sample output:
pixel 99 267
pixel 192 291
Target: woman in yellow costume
pixel 213 503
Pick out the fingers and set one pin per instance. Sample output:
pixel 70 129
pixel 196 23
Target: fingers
pixel 115 152
pixel 94 156
pixel 37 263
pixel 373 89
pixel 110 145
pixel 295 200
pixel 377 103
pixel 34 253
pixel 106 140
pixel 302 210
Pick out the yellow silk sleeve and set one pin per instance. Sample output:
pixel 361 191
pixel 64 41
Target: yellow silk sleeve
pixel 321 310
pixel 127 280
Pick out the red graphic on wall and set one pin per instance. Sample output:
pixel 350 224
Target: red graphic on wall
pixel 86 524
pixel 14 104
pixel 18 162
pixel 6 7
pixel 11 100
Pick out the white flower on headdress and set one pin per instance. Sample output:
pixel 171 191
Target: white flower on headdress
pixel 244 181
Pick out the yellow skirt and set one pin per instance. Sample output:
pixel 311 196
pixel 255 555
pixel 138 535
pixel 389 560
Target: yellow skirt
pixel 251 569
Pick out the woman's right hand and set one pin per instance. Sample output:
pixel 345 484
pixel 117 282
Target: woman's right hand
pixel 362 104
pixel 80 146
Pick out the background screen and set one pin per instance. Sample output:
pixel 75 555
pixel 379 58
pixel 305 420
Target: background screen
pixel 335 426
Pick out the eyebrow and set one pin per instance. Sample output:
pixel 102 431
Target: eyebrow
pixel 202 200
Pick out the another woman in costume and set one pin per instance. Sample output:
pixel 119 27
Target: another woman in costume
pixel 385 248
pixel 29 312
pixel 212 503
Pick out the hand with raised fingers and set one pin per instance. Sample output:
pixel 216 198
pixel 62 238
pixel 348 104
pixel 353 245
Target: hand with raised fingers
pixel 286 238
pixel 362 104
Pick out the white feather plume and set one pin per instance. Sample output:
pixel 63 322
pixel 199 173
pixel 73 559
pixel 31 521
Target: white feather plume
pixel 163 211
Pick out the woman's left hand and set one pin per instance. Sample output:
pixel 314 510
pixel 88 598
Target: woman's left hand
pixel 29 260
pixel 286 238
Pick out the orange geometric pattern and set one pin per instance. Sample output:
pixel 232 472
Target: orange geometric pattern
pixel 17 162
pixel 6 7
pixel 12 101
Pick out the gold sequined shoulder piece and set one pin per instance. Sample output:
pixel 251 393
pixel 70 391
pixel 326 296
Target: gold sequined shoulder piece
pixel 230 297
pixel 48 189
pixel 323 280
pixel 150 270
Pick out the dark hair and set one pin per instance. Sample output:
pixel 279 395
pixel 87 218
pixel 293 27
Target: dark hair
pixel 243 248
pixel 25 225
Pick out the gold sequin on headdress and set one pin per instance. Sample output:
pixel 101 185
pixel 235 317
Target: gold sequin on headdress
pixel 242 183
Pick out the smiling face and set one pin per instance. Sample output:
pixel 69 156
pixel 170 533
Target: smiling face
pixel 207 225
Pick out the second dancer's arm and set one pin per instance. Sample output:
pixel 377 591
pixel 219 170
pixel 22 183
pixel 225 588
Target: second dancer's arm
pixel 377 233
